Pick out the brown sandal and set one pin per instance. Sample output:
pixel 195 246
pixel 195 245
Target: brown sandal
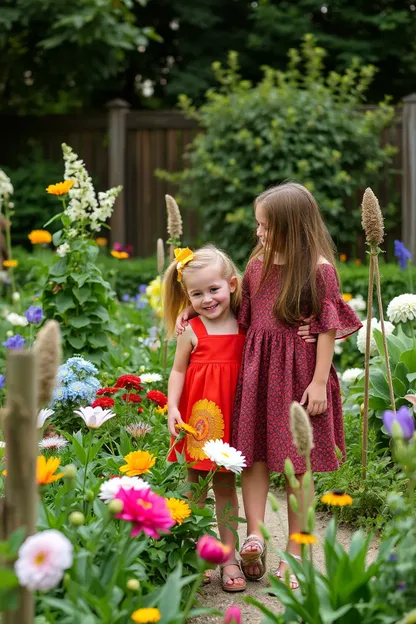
pixel 227 577
pixel 250 558
pixel 206 579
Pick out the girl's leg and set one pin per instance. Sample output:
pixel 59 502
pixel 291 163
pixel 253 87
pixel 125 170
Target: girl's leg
pixel 255 483
pixel 226 504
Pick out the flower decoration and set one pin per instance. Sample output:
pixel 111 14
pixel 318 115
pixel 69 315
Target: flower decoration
pixel 147 511
pixel 46 468
pixel 336 498
pixel 128 382
pixel 63 250
pixel 211 550
pixel 60 188
pixel 2 381
pixel 404 418
pixel 103 402
pixel 14 342
pixel 179 509
pixel 146 615
pixel 40 237
pixel 109 489
pixel 157 397
pixel 94 417
pixel 347 297
pixel 222 454
pixel 187 429
pixel 77 383
pixel 42 559
pixel 207 418
pixel 138 462
pixel 402 308
pixel 303 537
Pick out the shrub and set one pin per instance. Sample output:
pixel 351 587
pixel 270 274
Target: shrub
pixel 296 125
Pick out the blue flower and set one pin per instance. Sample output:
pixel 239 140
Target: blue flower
pixel 141 303
pixel 79 364
pixel 93 382
pixel 2 381
pixel 402 254
pixel 126 298
pixel 14 342
pixel 60 395
pixel 142 288
pixel 78 390
pixel 405 419
pixel 34 315
pixel 65 374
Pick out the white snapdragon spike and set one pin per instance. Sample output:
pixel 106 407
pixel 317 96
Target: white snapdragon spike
pixel 351 375
pixel 402 308
pixel 17 320
pixel 150 377
pixel 361 336
pixel 94 417
pixel 63 250
pixel 108 489
pixel 42 416
pixel 42 559
pixel 224 455
pixel 54 443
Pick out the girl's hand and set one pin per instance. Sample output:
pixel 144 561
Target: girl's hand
pixel 304 330
pixel 314 398
pixel 174 418
pixel 183 318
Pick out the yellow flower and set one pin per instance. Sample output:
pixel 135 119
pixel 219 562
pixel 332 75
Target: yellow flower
pixel 101 241
pixel 336 498
pixel 10 263
pixel 154 291
pixel 187 428
pixel 208 420
pixel 138 462
pixel 303 538
pixel 40 237
pixel 162 410
pixel 347 297
pixel 146 616
pixel 45 469
pixel 120 255
pixel 60 188
pixel 179 509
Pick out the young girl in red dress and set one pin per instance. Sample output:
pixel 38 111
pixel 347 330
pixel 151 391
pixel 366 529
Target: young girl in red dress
pixel 290 275
pixel 204 375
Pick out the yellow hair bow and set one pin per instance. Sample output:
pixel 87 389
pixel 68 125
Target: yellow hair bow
pixel 182 256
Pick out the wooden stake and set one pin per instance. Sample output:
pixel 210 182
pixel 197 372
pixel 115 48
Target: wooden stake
pixel 383 331
pixel 364 443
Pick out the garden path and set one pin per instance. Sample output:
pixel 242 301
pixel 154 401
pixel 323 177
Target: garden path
pixel 213 596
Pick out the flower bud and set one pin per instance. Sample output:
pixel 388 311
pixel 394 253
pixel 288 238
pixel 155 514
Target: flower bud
pixel 362 409
pixel 211 550
pixel 293 502
pixel 310 519
pixel 289 469
pixel 233 615
pixel 264 531
pixel 69 471
pixel 89 496
pixel 133 584
pixel 307 478
pixel 115 506
pixel 294 483
pixel 274 503
pixel 67 578
pixel 9 333
pixel 77 518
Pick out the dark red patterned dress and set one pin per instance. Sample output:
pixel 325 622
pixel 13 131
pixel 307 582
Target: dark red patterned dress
pixel 276 369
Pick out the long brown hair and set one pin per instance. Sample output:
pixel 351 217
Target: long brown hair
pixel 175 293
pixel 295 231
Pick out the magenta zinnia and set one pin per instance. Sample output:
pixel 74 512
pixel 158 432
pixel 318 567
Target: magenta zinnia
pixel 147 511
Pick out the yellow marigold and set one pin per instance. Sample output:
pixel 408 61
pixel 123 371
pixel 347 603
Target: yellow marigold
pixel 304 538
pixel 138 462
pixel 336 498
pixel 347 297
pixel 40 237
pixel 101 241
pixel 45 469
pixel 10 264
pixel 146 616
pixel 60 188
pixel 162 410
pixel 120 255
pixel 179 509
pixel 187 428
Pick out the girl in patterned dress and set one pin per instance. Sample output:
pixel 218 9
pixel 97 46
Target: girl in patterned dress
pixel 290 275
pixel 204 377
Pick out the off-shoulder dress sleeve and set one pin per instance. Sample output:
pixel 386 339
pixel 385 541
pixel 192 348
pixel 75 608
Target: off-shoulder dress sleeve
pixel 335 313
pixel 244 315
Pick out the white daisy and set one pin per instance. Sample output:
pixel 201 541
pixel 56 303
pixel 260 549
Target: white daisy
pixel 224 455
pixel 42 416
pixel 108 489
pixel 402 308
pixel 150 377
pixel 361 336
pixel 94 417
pixel 350 375
pixel 54 443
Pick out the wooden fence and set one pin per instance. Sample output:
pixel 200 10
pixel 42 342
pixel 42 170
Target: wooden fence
pixel 120 146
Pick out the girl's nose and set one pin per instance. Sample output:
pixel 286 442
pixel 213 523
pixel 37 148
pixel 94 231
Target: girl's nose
pixel 207 298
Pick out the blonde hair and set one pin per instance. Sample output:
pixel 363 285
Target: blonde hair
pixel 297 232
pixel 175 293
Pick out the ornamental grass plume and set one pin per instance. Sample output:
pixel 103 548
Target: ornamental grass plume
pixel 372 219
pixel 174 220
pixel 48 350
pixel 301 429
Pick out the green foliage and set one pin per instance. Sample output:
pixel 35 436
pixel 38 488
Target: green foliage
pixel 292 125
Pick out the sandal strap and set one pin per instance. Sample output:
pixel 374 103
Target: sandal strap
pixel 239 574
pixel 250 539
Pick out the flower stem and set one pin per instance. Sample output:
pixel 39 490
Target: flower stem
pixel 364 441
pixel 87 462
pixel 190 602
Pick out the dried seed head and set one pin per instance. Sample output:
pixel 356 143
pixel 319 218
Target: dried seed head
pixel 160 254
pixel 174 218
pixel 301 429
pixel 372 219
pixel 48 350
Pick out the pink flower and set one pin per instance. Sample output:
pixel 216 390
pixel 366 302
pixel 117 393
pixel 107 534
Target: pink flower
pixel 118 247
pixel 211 550
pixel 232 615
pixel 146 510
pixel 412 399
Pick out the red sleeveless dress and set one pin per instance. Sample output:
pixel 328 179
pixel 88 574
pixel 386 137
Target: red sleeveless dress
pixel 207 400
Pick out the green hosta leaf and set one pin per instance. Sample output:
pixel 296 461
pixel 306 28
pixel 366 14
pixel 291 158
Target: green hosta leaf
pixel 79 321
pixel 399 387
pixel 98 340
pixel 78 342
pixel 378 382
pixel 64 302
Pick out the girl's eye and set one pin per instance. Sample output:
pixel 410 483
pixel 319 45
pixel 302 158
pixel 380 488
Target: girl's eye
pixel 214 289
pixel 196 294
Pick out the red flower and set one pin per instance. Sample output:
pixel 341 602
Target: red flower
pixel 106 391
pixel 131 398
pixel 103 402
pixel 157 397
pixel 140 410
pixel 129 381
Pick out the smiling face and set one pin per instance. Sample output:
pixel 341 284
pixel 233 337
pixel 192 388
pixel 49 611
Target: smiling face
pixel 261 219
pixel 209 293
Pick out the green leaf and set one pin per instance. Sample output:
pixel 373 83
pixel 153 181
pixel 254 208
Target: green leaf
pixel 59 268
pixel 64 301
pixel 409 358
pixel 98 340
pixel 101 312
pixel 378 382
pixel 411 377
pixel 8 579
pixel 79 321
pixel 78 342
pixel 83 293
pixel 76 441
pixel 54 218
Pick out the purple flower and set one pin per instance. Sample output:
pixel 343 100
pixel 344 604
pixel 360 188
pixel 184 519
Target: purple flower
pixel 2 381
pixel 402 254
pixel 404 418
pixel 142 288
pixel 118 247
pixel 34 315
pixel 14 342
pixel 140 302
pixel 126 298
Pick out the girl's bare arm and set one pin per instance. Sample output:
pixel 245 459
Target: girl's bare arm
pixel 314 397
pixel 184 347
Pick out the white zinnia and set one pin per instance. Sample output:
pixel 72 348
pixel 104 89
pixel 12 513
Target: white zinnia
pixel 63 249
pixel 42 416
pixel 150 377
pixel 224 455
pixel 361 336
pixel 94 417
pixel 108 489
pixel 402 308
pixel 54 443
pixel 17 320
pixel 350 375
pixel 357 303
pixel 42 559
